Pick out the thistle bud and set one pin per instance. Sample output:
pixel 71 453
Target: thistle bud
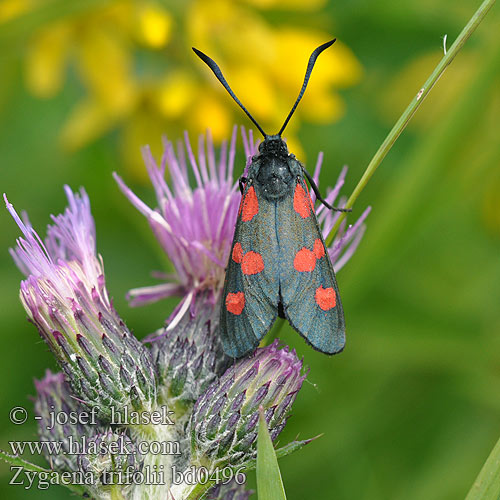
pixel 229 491
pixel 188 354
pixel 66 298
pixel 225 418
pixel 111 459
pixel 57 410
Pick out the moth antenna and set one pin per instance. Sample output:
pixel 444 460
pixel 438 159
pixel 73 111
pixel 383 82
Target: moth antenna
pixel 218 73
pixel 310 66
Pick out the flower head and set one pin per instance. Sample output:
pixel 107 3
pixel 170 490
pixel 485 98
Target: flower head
pixel 224 421
pixel 66 298
pixel 194 225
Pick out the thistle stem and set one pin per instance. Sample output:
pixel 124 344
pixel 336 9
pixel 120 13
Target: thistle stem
pixel 199 490
pixel 411 109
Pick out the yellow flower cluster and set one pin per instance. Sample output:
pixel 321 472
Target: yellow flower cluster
pixel 134 61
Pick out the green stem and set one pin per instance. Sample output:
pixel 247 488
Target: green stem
pixel 487 484
pixel 116 493
pixel 199 490
pixel 411 109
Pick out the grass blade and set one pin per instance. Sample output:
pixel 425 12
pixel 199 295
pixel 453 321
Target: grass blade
pixel 487 484
pixel 269 483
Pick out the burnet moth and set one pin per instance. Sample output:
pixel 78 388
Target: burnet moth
pixel 278 265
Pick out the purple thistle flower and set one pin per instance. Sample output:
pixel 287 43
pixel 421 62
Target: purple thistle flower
pixel 195 226
pixel 66 298
pixel 348 237
pixel 58 270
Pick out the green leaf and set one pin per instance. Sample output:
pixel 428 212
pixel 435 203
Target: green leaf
pixel 487 484
pixel 20 462
pixel 17 461
pixel 269 483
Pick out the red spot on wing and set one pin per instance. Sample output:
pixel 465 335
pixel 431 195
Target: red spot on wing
pixel 237 253
pixel 325 298
pixel 305 260
pixel 252 263
pixel 235 302
pixel 250 205
pixel 301 202
pixel 310 199
pixel 319 249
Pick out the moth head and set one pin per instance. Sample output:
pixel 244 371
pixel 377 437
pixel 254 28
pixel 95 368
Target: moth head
pixel 273 145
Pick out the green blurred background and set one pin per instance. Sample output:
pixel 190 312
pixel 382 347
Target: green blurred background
pixel 411 408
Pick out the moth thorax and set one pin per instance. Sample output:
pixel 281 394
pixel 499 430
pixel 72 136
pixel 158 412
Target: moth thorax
pixel 274 178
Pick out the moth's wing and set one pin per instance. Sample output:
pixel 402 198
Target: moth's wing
pixel 251 290
pixel 309 291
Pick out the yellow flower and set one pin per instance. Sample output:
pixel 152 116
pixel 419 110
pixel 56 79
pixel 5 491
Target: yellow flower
pixel 139 75
pixel 10 9
pixel 154 27
pixel 46 60
pixel 175 94
pixel 288 4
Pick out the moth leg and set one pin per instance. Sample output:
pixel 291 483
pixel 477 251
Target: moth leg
pixel 318 194
pixel 242 181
